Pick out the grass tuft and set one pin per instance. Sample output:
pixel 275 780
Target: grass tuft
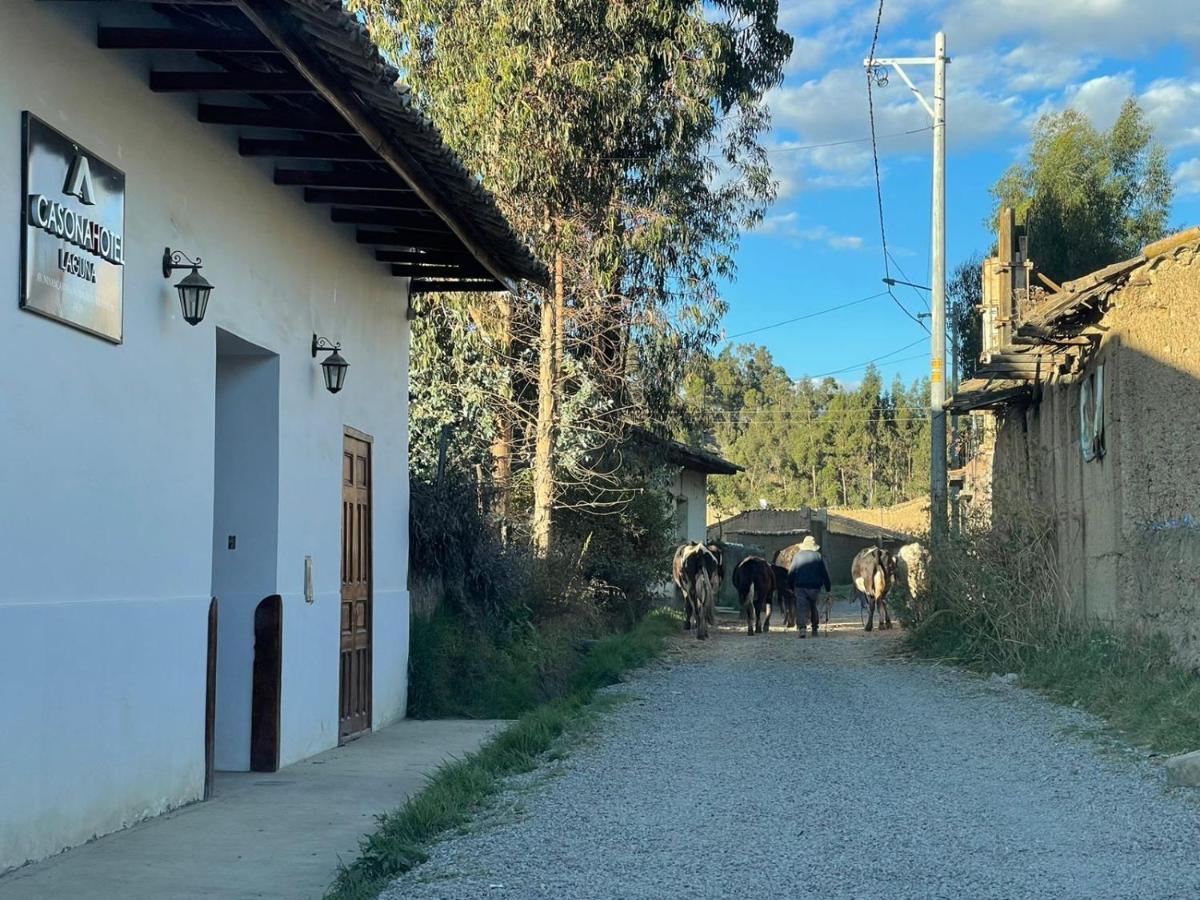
pixel 997 605
pixel 458 790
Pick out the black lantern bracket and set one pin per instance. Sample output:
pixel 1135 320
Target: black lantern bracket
pixel 320 344
pixel 333 366
pixel 176 259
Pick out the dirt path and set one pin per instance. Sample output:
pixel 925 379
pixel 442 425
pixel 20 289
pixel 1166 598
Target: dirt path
pixel 768 766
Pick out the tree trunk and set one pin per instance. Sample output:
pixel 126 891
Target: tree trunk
pixel 543 459
pixel 845 493
pixel 502 446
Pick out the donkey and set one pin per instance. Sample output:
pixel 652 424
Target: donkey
pixel 754 580
pixel 694 570
pixel 873 573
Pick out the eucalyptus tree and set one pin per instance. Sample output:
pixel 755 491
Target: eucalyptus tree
pixel 1088 198
pixel 622 140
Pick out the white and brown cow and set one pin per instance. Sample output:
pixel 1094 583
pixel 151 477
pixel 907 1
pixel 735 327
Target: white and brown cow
pixel 696 572
pixel 873 573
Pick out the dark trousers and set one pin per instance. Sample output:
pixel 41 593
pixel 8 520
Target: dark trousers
pixel 809 597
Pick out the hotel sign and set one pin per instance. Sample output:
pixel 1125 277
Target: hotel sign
pixel 72 232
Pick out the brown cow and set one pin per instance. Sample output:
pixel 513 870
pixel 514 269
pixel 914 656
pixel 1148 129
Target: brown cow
pixel 694 570
pixel 754 581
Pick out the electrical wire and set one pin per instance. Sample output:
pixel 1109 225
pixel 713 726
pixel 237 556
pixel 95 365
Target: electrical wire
pixel 798 148
pixel 875 160
pixel 811 315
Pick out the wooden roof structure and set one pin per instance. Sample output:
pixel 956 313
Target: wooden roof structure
pixel 306 87
pixel 1055 334
pixel 680 454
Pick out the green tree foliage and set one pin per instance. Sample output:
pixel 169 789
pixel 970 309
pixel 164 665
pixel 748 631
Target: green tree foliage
pixel 1088 198
pixel 807 442
pixel 964 294
pixel 622 140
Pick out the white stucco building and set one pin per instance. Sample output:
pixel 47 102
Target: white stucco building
pixel 151 465
pixel 691 467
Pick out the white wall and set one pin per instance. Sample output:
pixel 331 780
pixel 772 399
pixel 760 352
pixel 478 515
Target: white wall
pixel 107 453
pixel 694 486
pixel 246 506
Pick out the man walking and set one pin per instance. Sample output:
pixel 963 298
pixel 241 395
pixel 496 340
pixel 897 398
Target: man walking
pixel 806 576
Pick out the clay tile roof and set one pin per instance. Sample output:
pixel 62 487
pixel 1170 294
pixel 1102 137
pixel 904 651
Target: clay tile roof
pixel 339 40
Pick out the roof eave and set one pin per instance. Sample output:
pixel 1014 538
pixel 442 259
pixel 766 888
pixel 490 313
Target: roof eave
pixel 270 18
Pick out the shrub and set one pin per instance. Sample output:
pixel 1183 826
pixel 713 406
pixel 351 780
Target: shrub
pixel 997 605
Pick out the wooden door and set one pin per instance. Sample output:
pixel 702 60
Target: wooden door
pixel 355 677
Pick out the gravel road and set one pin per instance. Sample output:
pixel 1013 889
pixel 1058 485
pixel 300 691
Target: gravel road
pixel 771 767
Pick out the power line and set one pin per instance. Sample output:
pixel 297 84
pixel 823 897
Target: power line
pixel 798 148
pixel 875 160
pixel 912 286
pixel 877 359
pixel 811 315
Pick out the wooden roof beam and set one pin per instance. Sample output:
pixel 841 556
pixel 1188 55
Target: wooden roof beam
pixel 411 271
pixel 223 39
pixel 256 117
pixel 420 286
pixel 435 257
pixel 309 148
pixel 229 83
pixel 387 218
pixel 368 199
pixel 414 240
pixel 342 180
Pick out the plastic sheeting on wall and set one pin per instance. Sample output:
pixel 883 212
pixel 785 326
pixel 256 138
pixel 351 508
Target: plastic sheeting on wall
pixel 1091 415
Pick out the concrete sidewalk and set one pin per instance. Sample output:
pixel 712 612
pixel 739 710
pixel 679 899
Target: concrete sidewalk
pixel 277 834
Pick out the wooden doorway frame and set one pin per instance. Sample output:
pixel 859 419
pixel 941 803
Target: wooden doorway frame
pixel 354 669
pixel 210 701
pixel 267 685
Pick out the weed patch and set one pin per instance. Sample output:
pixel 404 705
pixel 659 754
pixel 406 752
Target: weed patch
pixel 458 790
pixel 997 605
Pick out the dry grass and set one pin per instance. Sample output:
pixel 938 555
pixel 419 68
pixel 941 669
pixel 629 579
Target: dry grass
pixel 997 605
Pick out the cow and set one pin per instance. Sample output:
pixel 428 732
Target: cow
pixel 912 574
pixel 695 571
pixel 715 550
pixel 873 573
pixel 785 595
pixel 754 581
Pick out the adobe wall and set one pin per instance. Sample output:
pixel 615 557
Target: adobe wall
pixel 1126 536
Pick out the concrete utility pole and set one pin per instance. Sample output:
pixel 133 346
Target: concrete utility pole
pixel 937 370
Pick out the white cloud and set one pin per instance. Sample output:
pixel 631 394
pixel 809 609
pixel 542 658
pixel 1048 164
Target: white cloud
pixel 830 238
pixel 1100 98
pixel 1037 67
pixel 1187 176
pixel 833 110
pixel 1173 106
pixel 776 224
pixel 787 225
pixel 1123 28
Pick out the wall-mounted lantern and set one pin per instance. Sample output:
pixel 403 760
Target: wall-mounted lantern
pixel 193 289
pixel 333 367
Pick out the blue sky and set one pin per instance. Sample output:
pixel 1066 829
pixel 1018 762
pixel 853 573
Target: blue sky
pixel 1011 61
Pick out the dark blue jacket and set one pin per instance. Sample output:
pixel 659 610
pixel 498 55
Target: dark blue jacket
pixel 808 571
